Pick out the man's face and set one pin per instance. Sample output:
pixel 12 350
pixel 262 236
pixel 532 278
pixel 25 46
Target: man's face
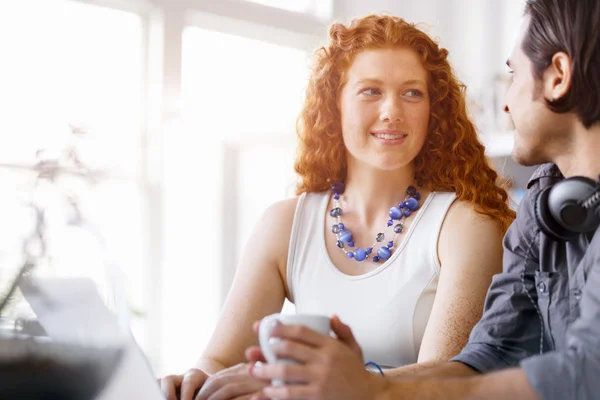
pixel 540 133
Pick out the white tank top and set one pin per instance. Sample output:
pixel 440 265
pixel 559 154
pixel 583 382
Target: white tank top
pixel 387 308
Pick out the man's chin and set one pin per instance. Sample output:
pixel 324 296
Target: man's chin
pixel 527 157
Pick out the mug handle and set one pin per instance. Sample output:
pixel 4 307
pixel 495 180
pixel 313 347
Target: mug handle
pixel 264 336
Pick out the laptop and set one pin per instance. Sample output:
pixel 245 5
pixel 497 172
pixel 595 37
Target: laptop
pixel 71 311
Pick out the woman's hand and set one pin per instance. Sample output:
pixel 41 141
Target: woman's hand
pixel 183 387
pixel 232 383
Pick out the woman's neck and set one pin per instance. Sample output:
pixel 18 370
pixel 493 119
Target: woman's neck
pixel 370 193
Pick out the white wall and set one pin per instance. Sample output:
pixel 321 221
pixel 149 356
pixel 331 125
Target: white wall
pixel 478 33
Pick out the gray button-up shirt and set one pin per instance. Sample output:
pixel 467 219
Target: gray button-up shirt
pixel 542 312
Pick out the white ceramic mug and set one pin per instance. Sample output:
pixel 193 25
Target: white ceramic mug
pixel 318 323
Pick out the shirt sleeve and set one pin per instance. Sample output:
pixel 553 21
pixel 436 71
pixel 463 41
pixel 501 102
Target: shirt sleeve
pixel 510 328
pixel 574 373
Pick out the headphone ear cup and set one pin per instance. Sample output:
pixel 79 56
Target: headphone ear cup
pixel 565 203
pixel 546 221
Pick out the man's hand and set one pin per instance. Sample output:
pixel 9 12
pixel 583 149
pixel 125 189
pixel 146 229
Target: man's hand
pixel 328 369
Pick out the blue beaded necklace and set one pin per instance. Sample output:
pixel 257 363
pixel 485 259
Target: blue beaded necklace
pixel 397 213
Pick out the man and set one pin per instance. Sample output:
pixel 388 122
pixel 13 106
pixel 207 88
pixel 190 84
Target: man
pixel 539 336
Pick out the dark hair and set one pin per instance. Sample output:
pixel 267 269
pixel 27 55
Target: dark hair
pixel 569 26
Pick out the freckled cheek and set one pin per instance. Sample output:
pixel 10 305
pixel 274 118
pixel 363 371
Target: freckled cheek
pixel 360 118
pixel 418 121
pixel 354 128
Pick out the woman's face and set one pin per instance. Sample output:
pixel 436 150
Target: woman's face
pixel 385 108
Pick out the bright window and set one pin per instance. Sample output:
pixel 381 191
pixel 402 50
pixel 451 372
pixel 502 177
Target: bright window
pixel 239 94
pixel 71 63
pixel 67 63
pixel 320 8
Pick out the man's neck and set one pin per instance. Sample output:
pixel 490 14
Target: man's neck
pixel 582 158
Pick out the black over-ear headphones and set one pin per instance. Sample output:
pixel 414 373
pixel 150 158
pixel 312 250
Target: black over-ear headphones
pixel 568 208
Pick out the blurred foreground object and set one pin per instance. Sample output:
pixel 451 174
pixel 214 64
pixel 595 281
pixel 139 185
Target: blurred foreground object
pixel 64 317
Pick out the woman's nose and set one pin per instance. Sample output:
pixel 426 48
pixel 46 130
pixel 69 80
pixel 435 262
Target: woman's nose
pixel 391 111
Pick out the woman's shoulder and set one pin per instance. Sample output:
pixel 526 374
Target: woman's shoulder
pixel 282 211
pixel 272 231
pixel 467 235
pixel 464 212
pixel 465 221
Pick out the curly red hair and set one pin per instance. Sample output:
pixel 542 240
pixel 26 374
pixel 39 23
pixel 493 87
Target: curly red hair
pixel 452 158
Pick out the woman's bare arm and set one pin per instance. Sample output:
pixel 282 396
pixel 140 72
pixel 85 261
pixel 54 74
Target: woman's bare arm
pixel 259 288
pixel 470 253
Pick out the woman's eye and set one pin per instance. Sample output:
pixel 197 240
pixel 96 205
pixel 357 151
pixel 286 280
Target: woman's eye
pixel 414 93
pixel 371 92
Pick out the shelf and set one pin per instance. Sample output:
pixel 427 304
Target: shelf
pixel 498 144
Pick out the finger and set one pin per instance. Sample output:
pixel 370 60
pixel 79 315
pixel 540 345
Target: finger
pixel 192 381
pixel 214 384
pixel 224 378
pixel 257 396
pixel 295 351
pixel 236 390
pixel 300 334
pixel 256 326
pixel 344 333
pixel 254 354
pixel 282 371
pixel 169 385
pixel 211 385
pixel 291 392
pixel 238 369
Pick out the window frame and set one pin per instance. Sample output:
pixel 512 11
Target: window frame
pixel 164 22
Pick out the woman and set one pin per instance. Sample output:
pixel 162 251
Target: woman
pixel 398 224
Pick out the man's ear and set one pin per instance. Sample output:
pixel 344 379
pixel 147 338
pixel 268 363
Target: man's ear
pixel 557 77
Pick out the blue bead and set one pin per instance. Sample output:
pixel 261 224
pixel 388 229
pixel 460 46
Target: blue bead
pixel 341 226
pixel 350 254
pixel 390 244
pixel 375 259
pixel 412 204
pixel 411 190
pixel 390 223
pixel 407 213
pixel 335 229
pixel 345 236
pixel 351 243
pixel 336 212
pixel 402 204
pixel 395 213
pixel 369 250
pixel 384 253
pixel 338 187
pixel 360 254
pixel 336 196
pixel 417 196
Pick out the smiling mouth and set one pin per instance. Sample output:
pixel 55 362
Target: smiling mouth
pixel 388 136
